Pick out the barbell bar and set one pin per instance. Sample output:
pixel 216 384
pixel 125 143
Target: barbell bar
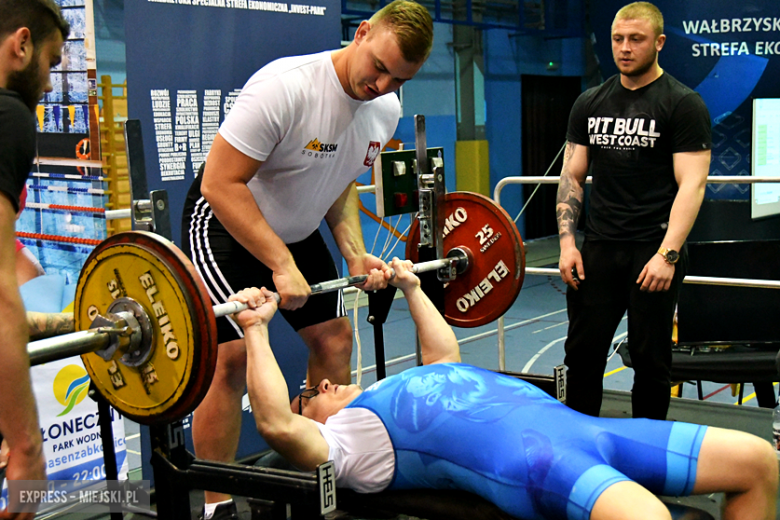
pixel 92 340
pixel 98 339
pixel 457 257
pixel 67 345
pixel 147 324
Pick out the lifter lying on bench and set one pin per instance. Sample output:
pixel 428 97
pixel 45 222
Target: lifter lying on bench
pixel 447 425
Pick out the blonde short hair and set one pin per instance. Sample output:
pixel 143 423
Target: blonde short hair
pixel 412 25
pixel 642 11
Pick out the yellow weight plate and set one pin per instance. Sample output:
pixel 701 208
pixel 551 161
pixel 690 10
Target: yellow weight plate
pixel 155 274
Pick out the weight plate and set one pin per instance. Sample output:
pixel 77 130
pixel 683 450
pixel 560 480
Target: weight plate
pixel 154 273
pixel 496 254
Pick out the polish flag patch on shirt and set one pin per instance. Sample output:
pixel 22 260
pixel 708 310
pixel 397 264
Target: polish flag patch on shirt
pixel 372 153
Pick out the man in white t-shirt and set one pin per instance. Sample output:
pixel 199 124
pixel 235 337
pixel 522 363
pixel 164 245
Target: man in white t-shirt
pixel 287 156
pixel 447 425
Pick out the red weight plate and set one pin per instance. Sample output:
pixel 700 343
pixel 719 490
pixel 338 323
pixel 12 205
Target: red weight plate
pixel 497 259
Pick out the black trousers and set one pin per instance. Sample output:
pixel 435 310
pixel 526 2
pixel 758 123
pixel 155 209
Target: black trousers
pixel 595 310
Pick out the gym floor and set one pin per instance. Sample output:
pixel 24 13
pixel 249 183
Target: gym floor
pixel 536 330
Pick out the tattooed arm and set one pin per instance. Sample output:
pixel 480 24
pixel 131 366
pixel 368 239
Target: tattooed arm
pixel 571 194
pixel 44 325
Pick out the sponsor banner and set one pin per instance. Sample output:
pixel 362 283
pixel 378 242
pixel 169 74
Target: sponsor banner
pixel 729 52
pixel 69 423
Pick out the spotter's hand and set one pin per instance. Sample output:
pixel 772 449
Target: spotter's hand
pixel 21 465
pixel 292 287
pixel 372 266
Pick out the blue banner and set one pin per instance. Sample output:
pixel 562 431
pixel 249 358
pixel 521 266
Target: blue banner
pixel 186 63
pixel 729 52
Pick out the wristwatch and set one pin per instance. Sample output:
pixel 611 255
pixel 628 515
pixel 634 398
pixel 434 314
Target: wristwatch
pixel 670 255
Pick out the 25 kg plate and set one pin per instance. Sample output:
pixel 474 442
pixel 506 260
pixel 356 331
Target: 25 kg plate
pixel 497 259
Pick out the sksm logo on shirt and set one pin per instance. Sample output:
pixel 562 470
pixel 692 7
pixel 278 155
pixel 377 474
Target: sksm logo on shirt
pixel 320 150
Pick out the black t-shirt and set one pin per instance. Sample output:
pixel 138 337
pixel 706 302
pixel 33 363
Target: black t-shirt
pixel 631 136
pixel 17 144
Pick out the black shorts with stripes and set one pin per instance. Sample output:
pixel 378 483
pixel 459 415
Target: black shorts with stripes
pixel 226 267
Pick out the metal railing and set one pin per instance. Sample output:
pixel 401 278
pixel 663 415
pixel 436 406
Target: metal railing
pixel 698 280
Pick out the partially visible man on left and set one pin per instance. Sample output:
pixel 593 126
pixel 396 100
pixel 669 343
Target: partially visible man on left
pixel 31 36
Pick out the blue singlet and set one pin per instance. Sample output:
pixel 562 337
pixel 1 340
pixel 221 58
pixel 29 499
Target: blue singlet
pixel 455 426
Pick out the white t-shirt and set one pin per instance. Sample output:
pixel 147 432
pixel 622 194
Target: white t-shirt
pixel 313 139
pixel 360 449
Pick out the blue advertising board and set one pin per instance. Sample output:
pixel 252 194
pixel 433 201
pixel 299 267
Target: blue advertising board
pixel 186 63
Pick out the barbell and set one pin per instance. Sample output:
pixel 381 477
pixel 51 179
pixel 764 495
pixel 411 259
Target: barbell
pixel 147 328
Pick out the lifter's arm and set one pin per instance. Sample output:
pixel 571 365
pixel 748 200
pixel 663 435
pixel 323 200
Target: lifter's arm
pixel 437 340
pixel 296 438
pixel 225 188
pixel 571 195
pixel 343 219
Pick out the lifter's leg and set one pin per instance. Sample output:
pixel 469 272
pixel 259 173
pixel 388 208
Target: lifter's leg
pixel 745 468
pixel 216 424
pixel 330 351
pixel 624 499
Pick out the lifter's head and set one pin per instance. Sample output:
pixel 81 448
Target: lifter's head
pixel 389 49
pixel 31 36
pixel 637 38
pixel 326 399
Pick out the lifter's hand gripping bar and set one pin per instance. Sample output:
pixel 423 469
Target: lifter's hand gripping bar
pixel 99 339
pixel 456 256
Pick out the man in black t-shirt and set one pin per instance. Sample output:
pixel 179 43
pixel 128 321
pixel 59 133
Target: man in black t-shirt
pixel 646 138
pixel 31 37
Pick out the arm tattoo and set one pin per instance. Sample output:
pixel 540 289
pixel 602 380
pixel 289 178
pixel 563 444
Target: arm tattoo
pixel 570 197
pixel 44 325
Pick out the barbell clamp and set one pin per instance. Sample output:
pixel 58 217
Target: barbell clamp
pixel 129 330
pixel 457 263
pixel 120 328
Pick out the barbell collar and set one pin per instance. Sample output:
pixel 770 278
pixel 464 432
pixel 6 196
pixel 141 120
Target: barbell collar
pixel 136 347
pixel 123 331
pixel 463 258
